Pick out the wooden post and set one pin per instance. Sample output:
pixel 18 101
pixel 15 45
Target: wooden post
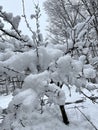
pixel 64 115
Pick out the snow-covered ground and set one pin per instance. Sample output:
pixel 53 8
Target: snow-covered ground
pixel 88 108
pixel 4 100
pixel 48 121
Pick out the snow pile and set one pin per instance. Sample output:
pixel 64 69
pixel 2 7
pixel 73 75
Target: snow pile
pixel 42 70
pixel 55 94
pixel 89 73
pixel 28 61
pixel 26 105
pixel 14 20
pixel 44 58
pixel 26 119
pixel 63 68
pixel 37 82
pixel 42 87
pixel 4 100
pixel 77 67
pixel 91 86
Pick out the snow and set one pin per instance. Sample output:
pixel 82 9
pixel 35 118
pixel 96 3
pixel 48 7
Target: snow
pixel 89 73
pixel 87 107
pixel 91 86
pixel 52 77
pixel 25 109
pixel 79 26
pixel 55 94
pixel 1 25
pixel 77 67
pixel 28 60
pixel 50 119
pixel 44 58
pixel 4 100
pixel 54 53
pixel 37 82
pixel 20 97
pixel 64 66
pixel 16 21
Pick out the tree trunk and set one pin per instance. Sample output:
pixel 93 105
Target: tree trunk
pixel 64 115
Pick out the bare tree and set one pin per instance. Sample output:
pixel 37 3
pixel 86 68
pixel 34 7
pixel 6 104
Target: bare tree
pixel 91 6
pixel 63 16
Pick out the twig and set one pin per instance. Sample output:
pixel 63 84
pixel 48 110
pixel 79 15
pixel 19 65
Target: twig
pixel 11 35
pixel 5 17
pixel 1 118
pixel 34 35
pixel 78 107
pixel 13 70
pixel 26 21
pixel 18 36
pixel 90 98
pixel 78 101
pixel 22 123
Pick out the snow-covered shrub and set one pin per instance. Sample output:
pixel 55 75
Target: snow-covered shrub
pixel 43 70
pixel 27 104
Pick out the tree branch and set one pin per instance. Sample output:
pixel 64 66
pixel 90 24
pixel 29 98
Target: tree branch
pixel 11 35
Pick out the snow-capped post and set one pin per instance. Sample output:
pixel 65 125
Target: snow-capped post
pixel 61 100
pixel 64 115
pixel 62 109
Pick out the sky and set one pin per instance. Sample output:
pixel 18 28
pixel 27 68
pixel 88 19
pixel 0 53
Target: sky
pixel 15 6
